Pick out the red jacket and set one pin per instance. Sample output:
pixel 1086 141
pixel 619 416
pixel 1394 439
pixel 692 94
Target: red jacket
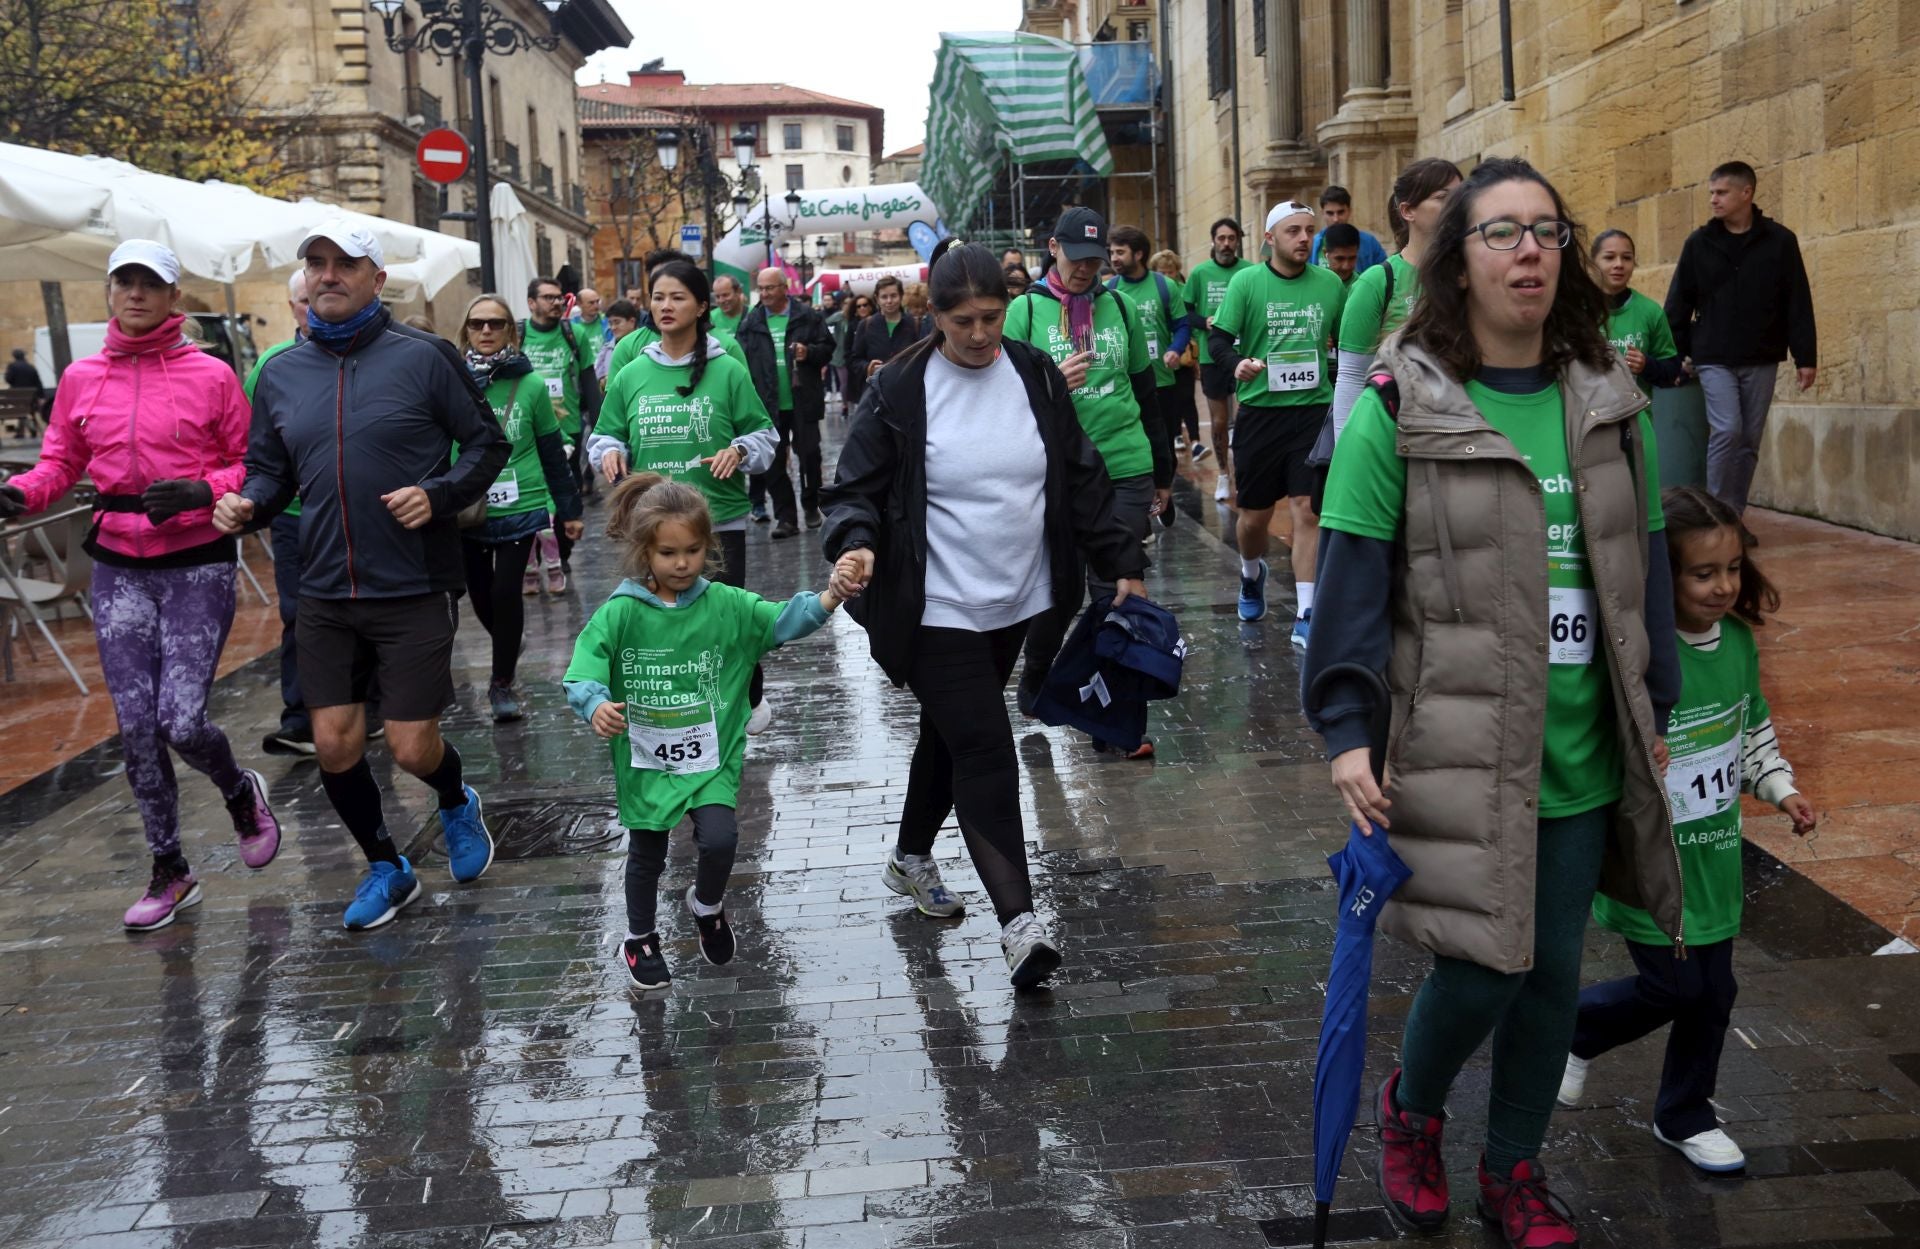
pixel 145 409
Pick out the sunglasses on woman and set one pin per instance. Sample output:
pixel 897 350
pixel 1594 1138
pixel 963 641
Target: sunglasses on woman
pixel 476 324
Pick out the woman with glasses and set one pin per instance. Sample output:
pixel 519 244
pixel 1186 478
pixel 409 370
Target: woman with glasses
pixel 856 375
pixel 1492 543
pixel 537 480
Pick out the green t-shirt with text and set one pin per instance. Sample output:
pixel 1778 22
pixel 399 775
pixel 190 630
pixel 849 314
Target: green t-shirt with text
pixel 1206 291
pixel 253 378
pixel 1641 323
pixel 777 326
pixel 522 484
pixel 1720 700
pixel 1287 322
pixel 1367 317
pixel 560 366
pixel 677 667
pixel 1104 402
pixel 1581 766
pixel 670 433
pixel 1153 315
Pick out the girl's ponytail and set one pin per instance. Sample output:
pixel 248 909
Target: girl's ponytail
pixel 702 330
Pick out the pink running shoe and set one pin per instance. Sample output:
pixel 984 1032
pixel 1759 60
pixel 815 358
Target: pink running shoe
pixel 167 893
pixel 254 821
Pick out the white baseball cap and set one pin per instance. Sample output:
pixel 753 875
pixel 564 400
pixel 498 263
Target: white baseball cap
pixel 148 255
pixel 1280 212
pixel 354 240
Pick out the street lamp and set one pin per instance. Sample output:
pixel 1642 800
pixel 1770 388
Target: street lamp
pixel 471 29
pixel 713 181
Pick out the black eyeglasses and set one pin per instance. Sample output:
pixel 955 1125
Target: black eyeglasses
pixel 477 324
pixel 1504 234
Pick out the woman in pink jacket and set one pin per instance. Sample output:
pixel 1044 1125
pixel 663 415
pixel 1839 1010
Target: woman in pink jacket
pixel 160 428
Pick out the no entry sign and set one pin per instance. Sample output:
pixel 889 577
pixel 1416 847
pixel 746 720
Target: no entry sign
pixel 443 155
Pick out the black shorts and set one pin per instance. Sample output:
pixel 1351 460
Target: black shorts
pixel 1270 448
pixel 408 642
pixel 1216 381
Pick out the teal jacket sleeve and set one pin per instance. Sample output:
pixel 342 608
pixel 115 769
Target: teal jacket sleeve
pixel 801 615
pixel 590 668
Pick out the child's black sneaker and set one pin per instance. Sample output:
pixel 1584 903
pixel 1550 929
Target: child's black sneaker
pixel 646 967
pixel 716 934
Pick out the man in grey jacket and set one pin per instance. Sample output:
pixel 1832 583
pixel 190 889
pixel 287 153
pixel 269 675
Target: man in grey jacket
pixel 360 420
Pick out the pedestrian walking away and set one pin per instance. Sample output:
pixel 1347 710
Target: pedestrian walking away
pixel 661 672
pixel 1206 290
pixel 1636 326
pixel 1274 332
pixel 160 428
pixel 1183 396
pixel 1520 596
pixel 564 359
pixel 1382 298
pixel 383 406
pixel 1095 337
pixel 787 348
pixel 1336 208
pixel 1738 304
pixel 967 494
pixel 1162 314
pixel 536 492
pixel 686 410
pixel 1722 742
pixel 887 333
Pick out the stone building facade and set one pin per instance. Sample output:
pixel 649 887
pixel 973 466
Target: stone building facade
pixel 1626 105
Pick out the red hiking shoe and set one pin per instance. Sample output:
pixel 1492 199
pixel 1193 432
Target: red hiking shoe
pixel 1527 1213
pixel 1413 1176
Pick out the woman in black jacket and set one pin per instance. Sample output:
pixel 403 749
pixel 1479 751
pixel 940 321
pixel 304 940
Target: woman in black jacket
pixel 972 495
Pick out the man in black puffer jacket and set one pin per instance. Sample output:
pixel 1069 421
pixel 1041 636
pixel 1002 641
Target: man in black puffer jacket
pixel 788 348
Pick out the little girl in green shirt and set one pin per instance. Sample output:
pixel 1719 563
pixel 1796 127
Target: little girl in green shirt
pixel 662 672
pixel 1720 741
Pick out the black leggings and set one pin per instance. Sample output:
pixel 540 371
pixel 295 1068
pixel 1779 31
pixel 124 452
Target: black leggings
pixel 733 572
pixel 493 583
pixel 715 832
pixel 1177 406
pixel 964 761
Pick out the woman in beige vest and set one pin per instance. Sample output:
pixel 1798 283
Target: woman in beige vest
pixel 1492 515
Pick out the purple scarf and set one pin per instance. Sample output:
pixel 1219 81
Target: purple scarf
pixel 1076 309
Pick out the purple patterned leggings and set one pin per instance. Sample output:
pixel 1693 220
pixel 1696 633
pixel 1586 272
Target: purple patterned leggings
pixel 161 631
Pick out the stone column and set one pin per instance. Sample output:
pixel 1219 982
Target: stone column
pixel 1289 167
pixel 1372 135
pixel 1366 49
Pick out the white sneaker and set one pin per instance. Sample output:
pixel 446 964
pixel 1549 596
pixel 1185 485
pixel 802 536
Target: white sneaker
pixel 1574 1082
pixel 1220 488
pixel 919 878
pixel 761 720
pixel 1712 1150
pixel 1031 956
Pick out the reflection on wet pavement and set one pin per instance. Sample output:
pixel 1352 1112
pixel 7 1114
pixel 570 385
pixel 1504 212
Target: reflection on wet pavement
pixel 476 1075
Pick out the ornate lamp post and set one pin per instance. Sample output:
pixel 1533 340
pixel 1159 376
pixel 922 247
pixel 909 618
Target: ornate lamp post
pixel 712 180
pixel 471 29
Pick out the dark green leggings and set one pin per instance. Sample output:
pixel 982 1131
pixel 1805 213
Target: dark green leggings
pixel 1530 1014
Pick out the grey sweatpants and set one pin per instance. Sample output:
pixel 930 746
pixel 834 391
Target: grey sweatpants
pixel 1738 397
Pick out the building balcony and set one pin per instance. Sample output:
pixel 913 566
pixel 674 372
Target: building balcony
pixel 506 160
pixel 543 180
pixel 425 106
pixel 1120 75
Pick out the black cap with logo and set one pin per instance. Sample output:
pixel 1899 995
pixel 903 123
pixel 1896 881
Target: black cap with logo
pixel 1082 234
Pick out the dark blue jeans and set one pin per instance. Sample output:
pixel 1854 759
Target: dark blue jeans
pixel 286 583
pixel 1696 996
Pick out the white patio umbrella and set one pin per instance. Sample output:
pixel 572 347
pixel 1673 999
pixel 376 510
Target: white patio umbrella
pixel 512 248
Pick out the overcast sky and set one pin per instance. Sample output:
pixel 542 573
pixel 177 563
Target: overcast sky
pixel 873 51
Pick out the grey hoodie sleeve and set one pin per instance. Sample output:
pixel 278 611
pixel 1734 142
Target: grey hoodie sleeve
pixel 758 449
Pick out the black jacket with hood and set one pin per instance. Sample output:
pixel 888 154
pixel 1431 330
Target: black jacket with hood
pixel 879 498
pixel 341 429
pixel 808 379
pixel 1742 299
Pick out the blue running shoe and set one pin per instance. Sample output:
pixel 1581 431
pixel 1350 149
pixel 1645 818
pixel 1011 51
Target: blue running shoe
pixel 469 844
pixel 1253 595
pixel 381 894
pixel 1300 632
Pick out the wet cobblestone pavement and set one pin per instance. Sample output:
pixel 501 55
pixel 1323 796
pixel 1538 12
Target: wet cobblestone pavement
pixel 476 1074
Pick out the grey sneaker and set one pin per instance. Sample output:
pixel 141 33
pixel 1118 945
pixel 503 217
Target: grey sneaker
pixel 919 878
pixel 1031 956
pixel 504 704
